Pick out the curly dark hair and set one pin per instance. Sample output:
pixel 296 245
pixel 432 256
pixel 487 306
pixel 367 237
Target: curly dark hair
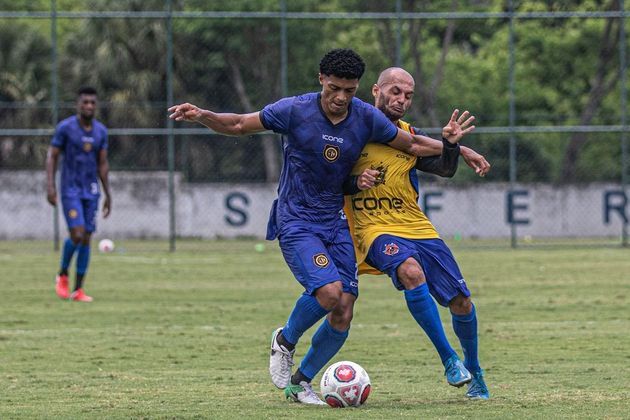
pixel 342 62
pixel 86 90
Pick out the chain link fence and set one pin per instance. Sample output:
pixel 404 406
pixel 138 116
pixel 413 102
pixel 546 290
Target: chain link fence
pixel 546 81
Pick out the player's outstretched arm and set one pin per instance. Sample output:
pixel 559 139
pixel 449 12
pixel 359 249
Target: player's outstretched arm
pixel 416 144
pixel 224 123
pixel 456 128
pixel 444 165
pixel 103 174
pixel 52 157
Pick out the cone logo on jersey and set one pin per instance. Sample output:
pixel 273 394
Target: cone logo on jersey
pixel 391 249
pixel 320 260
pixel 331 153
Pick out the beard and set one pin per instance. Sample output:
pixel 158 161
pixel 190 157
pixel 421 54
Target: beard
pixel 391 115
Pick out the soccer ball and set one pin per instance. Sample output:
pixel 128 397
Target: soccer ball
pixel 106 245
pixel 345 384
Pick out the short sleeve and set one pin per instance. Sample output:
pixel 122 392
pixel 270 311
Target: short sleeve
pixel 383 130
pixel 420 132
pixel 276 116
pixel 59 138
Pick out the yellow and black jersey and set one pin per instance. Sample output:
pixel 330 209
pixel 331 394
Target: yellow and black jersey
pixel 391 207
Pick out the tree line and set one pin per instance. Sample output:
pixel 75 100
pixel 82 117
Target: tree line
pixel 566 73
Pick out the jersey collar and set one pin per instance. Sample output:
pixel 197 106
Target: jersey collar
pixel 321 110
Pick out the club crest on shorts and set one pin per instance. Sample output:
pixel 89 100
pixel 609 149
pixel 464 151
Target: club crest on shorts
pixel 391 249
pixel 320 260
pixel 331 153
pixel 73 213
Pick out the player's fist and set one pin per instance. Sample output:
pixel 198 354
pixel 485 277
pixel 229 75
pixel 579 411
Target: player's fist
pixel 51 195
pixel 185 112
pixel 368 179
pixel 107 206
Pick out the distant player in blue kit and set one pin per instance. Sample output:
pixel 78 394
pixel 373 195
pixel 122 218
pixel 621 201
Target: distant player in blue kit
pixel 324 135
pixel 82 140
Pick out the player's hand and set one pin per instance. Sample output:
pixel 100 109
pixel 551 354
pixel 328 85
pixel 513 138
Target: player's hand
pixel 475 161
pixel 107 206
pixel 185 112
pixel 368 179
pixel 51 196
pixel 458 126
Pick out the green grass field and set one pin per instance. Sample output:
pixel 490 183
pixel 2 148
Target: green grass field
pixel 185 335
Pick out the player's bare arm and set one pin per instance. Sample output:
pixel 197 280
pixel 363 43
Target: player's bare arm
pixel 224 123
pixel 456 128
pixel 52 158
pixel 103 174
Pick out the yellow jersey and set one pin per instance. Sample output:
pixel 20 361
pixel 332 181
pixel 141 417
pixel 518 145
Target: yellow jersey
pixel 391 207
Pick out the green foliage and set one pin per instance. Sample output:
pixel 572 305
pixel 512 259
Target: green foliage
pixel 185 335
pixel 235 65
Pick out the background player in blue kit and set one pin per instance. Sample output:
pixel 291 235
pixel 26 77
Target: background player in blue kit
pixel 82 140
pixel 324 135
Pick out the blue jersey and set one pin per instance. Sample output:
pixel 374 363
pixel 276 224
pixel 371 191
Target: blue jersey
pixel 318 156
pixel 79 173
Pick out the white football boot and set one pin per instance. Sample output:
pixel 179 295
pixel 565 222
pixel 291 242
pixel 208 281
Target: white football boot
pixel 280 362
pixel 302 393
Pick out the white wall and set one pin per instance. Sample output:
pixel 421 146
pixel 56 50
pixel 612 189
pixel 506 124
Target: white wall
pixel 140 208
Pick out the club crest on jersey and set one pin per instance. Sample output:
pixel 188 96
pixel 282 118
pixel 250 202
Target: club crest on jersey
pixel 73 214
pixel 391 249
pixel 87 147
pixel 331 153
pixel 320 260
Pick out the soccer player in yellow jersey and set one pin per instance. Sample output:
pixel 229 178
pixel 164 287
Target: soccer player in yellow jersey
pixel 392 235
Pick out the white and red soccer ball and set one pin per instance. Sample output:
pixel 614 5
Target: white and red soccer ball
pixel 345 384
pixel 106 245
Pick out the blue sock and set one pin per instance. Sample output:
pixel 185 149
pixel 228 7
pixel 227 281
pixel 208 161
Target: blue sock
pixel 465 327
pixel 83 258
pixel 66 256
pixel 425 312
pixel 325 344
pixel 306 313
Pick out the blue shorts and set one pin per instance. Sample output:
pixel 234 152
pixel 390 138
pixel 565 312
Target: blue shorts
pixel 80 212
pixel 444 279
pixel 318 256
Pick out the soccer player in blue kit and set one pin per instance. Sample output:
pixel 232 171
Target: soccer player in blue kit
pixel 82 140
pixel 325 133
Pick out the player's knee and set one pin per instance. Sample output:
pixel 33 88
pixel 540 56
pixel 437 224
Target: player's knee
pixel 329 295
pixel 340 319
pixel 461 305
pixel 410 274
pixel 77 236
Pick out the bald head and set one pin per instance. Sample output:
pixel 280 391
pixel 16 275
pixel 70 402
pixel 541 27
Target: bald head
pixel 393 92
pixel 394 75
